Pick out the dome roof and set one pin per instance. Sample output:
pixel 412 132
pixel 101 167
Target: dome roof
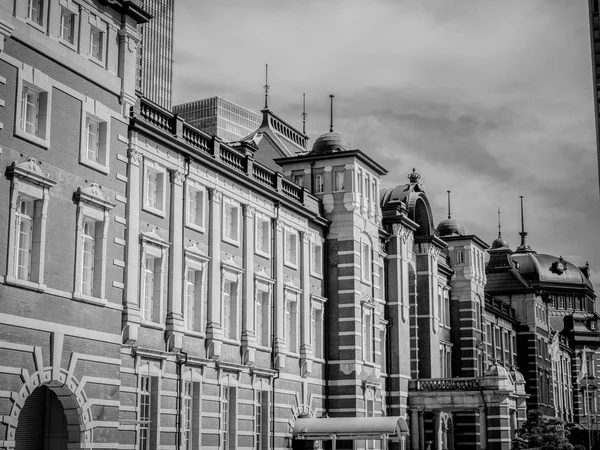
pixel 450 227
pixel 500 242
pixel 496 370
pixel 538 267
pixel 330 143
pixel 394 195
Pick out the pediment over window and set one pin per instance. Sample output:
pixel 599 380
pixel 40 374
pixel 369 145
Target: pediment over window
pixel 93 195
pixel 153 237
pixel 30 171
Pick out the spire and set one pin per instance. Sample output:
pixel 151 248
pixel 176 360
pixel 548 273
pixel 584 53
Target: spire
pixel 266 86
pixel 449 216
pixel 499 224
pixel 331 114
pixel 304 113
pixel 523 247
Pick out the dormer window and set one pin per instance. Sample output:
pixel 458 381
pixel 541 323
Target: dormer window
pixel 319 183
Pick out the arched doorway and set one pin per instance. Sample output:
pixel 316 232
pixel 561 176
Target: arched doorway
pixel 42 422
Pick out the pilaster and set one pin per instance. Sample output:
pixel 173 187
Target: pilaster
pixel 214 330
pixel 280 346
pixel 306 353
pixel 248 330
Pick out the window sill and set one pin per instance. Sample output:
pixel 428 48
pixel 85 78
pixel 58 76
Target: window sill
pixel 230 241
pixel 89 299
pixel 149 324
pixel 67 44
pixel 263 348
pixel 97 61
pixel 266 254
pixel 291 265
pixel 316 275
pixel 26 284
pixel 369 363
pixel 292 354
pixel 319 360
pixel 231 341
pixel 192 333
pixel 196 227
pixel 35 25
pixel 152 210
pixel 94 165
pixel 45 143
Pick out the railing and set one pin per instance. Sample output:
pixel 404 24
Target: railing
pixel 447 384
pixel 501 306
pixel 158 117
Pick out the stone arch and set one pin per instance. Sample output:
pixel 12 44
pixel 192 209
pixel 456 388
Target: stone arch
pixel 72 397
pixel 419 210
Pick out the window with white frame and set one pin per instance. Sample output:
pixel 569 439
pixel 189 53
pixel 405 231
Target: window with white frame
pixel 33 107
pixel 368 333
pixel 291 321
pixel 291 247
pixel 92 241
pixel 369 412
pixel 447 307
pixel 262 312
pixel 68 25
pixel 155 178
pixel 231 221
pixel 263 235
pixel 190 436
pixel 365 262
pixel 339 180
pixel 149 418
pixel 316 258
pixel 195 297
pixel 35 11
pixel 440 311
pixel 261 420
pixel 298 179
pixel 319 183
pixel 231 281
pixel 154 266
pixel 30 191
pixel 316 329
pixel 97 42
pixel 383 324
pixel 229 417
pixel 460 257
pixel 195 206
pixel 95 149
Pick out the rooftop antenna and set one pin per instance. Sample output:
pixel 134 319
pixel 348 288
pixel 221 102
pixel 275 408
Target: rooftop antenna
pixel 449 216
pixel 331 114
pixel 499 225
pixel 303 113
pixel 266 86
pixel 523 233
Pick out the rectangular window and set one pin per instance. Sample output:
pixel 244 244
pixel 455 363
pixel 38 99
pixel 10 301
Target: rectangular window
pixel 298 179
pixel 152 274
pixel 24 240
pixel 93 139
pixel 460 257
pixel 383 349
pixel 263 235
pixel 316 260
pixel 35 11
pixel 155 178
pixel 144 415
pixel 291 322
pixel 188 408
pixel 88 237
pixel 291 248
pixel 67 25
pixel 366 262
pixel 262 318
pixel 319 183
pixel 194 300
pixel 96 43
pixel 261 420
pixel 230 315
pixel 30 103
pixel 368 354
pixel 228 418
pixel 338 181
pixel 317 331
pixel 231 223
pixel 196 207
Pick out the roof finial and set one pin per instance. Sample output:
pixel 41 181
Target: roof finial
pixel 331 114
pixel 499 225
pixel 523 247
pixel 266 86
pixel 304 113
pixel 449 216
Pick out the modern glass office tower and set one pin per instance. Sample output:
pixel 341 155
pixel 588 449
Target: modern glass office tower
pixel 155 52
pixel 219 117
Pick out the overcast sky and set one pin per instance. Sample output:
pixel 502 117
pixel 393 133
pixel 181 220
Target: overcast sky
pixel 488 99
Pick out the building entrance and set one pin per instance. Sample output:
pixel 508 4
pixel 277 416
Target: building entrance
pixel 42 422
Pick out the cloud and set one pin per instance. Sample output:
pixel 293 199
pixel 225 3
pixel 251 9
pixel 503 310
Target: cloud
pixel 488 99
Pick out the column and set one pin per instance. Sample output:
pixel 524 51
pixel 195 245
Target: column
pixel 414 429
pixel 306 352
pixel 174 324
pixel 131 307
pixel 279 299
pixel 450 434
pixel 214 331
pixel 483 429
pixel 421 431
pixel 513 423
pixel 437 430
pixel 248 331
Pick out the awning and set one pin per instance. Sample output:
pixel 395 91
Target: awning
pixel 349 428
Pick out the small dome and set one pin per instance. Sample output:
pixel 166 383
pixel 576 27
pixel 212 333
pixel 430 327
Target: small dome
pixel 497 371
pixel 450 227
pixel 500 242
pixel 330 143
